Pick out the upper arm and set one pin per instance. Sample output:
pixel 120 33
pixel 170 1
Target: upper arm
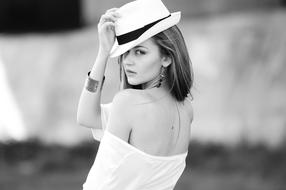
pixel 119 121
pixel 105 112
pixel 97 133
pixel 95 121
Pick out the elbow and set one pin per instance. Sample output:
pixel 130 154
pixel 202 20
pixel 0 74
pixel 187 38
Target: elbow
pixel 80 120
pixel 89 122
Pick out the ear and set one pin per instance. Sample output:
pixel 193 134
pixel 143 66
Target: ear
pixel 166 61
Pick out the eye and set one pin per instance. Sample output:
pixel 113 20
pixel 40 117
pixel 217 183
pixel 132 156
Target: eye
pixel 125 54
pixel 139 52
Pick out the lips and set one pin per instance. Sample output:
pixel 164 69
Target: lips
pixel 130 71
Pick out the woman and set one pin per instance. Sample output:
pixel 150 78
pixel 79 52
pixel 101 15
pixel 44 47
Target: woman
pixel 145 130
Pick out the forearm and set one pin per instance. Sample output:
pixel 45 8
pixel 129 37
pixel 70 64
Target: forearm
pixel 88 112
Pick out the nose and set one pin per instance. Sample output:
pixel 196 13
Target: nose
pixel 127 59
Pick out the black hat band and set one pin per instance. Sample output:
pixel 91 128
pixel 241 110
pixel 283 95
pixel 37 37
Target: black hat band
pixel 133 35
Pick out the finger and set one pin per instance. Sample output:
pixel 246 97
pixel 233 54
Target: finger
pixel 108 24
pixel 105 18
pixel 114 15
pixel 111 10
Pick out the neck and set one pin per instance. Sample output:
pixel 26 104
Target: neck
pixel 152 83
pixel 159 92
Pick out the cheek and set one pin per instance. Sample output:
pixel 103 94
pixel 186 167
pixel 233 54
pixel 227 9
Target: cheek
pixel 150 68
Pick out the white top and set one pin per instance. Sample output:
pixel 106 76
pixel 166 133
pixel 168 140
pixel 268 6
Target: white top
pixel 119 165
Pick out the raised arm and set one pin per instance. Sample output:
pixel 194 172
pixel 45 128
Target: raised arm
pixel 89 111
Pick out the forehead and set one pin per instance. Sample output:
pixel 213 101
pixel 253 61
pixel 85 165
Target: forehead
pixel 149 43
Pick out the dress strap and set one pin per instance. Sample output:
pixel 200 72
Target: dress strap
pixel 129 138
pixel 179 123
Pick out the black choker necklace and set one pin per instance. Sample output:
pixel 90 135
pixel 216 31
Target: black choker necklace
pixel 156 86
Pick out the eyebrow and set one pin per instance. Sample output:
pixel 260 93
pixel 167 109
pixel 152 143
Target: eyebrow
pixel 138 46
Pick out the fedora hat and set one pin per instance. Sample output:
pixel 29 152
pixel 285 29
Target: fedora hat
pixel 140 20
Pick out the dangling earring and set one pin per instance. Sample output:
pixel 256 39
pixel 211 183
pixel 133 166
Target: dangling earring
pixel 162 77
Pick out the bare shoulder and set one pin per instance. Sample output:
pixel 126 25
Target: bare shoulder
pixel 125 100
pixel 121 114
pixel 132 103
pixel 122 96
pixel 127 97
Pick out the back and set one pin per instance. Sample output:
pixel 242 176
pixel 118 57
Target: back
pixel 160 124
pixel 155 156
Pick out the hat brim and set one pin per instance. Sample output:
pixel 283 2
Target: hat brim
pixel 157 28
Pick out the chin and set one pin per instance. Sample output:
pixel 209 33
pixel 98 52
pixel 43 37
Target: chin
pixel 134 82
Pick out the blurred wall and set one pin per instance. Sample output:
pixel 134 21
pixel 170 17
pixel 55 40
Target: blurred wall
pixel 239 61
pixel 92 9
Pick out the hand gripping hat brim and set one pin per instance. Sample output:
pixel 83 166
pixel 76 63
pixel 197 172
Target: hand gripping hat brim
pixel 159 26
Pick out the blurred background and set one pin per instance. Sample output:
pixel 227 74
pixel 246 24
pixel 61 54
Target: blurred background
pixel 238 50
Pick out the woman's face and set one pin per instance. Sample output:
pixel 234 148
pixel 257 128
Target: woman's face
pixel 143 62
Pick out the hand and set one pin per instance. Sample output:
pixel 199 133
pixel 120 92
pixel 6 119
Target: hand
pixel 106 32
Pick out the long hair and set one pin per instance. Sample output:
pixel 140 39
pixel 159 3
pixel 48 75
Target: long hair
pixel 179 74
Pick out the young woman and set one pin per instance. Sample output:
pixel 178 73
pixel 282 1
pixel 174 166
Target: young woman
pixel 144 132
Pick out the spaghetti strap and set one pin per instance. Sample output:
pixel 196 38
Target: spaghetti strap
pixel 179 123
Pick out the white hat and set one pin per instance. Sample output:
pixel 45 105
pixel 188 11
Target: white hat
pixel 140 20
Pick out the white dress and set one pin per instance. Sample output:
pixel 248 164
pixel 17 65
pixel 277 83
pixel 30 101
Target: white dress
pixel 121 166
